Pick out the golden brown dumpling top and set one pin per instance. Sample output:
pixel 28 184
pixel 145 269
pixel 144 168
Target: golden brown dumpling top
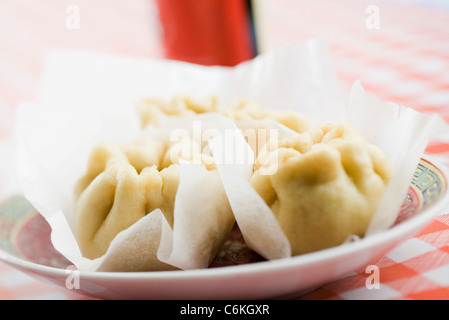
pixel 326 187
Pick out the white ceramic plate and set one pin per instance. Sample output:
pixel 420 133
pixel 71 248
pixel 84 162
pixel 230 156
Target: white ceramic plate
pixel 239 274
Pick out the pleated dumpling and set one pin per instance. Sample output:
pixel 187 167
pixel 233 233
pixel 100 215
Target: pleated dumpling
pixel 326 187
pixel 123 183
pixel 150 110
pixel 250 110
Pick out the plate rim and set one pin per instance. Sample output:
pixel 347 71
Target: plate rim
pixel 406 227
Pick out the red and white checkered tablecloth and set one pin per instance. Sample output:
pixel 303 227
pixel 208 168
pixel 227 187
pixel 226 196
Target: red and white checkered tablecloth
pixel 403 56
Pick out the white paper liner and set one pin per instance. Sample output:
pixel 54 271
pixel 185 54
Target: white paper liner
pixel 256 221
pixel 403 134
pixel 299 77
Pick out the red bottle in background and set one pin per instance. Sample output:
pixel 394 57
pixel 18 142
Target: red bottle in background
pixel 207 32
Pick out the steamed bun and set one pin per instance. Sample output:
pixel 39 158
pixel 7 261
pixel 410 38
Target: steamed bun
pixel 123 183
pixel 326 187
